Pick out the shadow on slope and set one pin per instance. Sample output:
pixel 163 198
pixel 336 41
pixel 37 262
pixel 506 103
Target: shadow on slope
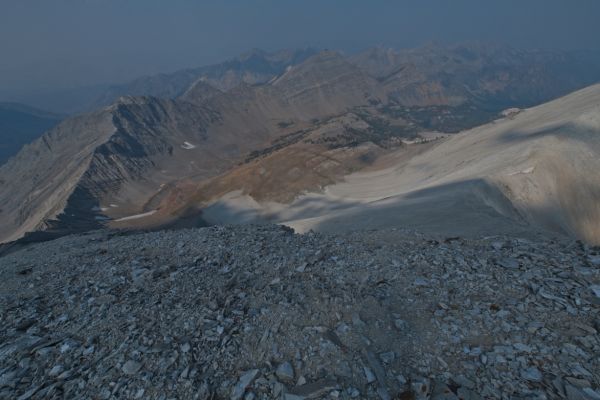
pixel 243 210
pixel 82 214
pixel 470 208
pixel 586 131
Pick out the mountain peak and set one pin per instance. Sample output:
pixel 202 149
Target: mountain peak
pixel 253 53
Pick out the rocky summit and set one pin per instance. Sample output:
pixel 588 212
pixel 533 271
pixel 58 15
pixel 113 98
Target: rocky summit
pixel 259 312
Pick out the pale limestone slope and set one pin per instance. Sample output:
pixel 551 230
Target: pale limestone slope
pixel 534 172
pixel 544 162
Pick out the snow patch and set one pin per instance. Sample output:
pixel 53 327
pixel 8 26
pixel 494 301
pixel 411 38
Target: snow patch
pixel 187 146
pixel 525 171
pixel 510 112
pixel 136 216
pixel 276 79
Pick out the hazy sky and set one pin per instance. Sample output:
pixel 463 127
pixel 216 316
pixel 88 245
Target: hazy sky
pixel 46 44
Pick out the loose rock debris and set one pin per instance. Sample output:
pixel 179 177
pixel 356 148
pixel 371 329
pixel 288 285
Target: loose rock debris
pixel 258 312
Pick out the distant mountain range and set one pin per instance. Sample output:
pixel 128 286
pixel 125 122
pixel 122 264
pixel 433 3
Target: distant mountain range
pixel 20 124
pixel 475 71
pixel 486 75
pixel 254 67
pixel 269 125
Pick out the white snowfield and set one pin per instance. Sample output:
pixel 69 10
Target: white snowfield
pixel 136 216
pixel 536 171
pixel 187 146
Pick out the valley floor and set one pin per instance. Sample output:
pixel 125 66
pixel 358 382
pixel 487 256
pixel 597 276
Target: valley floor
pixel 258 312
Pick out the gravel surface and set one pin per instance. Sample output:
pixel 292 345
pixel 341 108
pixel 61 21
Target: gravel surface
pixel 258 312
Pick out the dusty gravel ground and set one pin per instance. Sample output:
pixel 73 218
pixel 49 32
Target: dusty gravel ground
pixel 258 312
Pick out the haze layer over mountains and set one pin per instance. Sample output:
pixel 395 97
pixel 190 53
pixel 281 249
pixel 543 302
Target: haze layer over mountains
pixel 321 222
pixel 318 140
pixel 20 125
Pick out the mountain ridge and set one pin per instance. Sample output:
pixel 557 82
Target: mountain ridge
pixel 323 118
pixel 135 135
pixel 253 67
